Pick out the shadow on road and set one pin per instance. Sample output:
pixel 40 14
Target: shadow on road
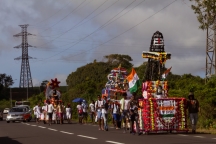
pixel 7 140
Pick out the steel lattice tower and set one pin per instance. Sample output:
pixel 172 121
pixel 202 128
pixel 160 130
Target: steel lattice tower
pixel 25 74
pixel 211 52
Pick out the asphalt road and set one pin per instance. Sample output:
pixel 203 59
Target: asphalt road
pixel 32 133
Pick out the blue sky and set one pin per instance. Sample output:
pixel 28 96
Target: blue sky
pixel 71 33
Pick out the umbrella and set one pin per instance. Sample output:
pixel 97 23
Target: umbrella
pixel 78 100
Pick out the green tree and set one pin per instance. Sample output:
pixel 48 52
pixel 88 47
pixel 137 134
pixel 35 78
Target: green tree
pixel 206 12
pixel 117 59
pixel 43 85
pixel 6 80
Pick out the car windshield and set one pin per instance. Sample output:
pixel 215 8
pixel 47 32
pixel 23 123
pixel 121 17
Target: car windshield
pixel 18 110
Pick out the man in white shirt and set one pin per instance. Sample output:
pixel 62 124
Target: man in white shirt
pixel 92 110
pixel 80 112
pixel 125 112
pixel 34 112
pixel 68 113
pixel 44 109
pixel 50 110
pixel 98 106
pixel 38 112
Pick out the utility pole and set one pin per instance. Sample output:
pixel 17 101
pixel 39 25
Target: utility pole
pixel 25 74
pixel 11 97
pixel 211 51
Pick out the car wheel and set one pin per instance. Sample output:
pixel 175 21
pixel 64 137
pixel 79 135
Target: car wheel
pixel 8 121
pixel 13 121
pixel 29 120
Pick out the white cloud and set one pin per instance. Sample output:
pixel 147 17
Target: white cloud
pixel 36 82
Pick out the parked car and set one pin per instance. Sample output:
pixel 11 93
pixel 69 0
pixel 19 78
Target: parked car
pixel 5 112
pixel 29 111
pixel 18 114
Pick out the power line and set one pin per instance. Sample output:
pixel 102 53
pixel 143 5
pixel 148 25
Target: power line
pixel 65 16
pixel 128 29
pixel 96 29
pixel 53 14
pixel 91 17
pixel 75 25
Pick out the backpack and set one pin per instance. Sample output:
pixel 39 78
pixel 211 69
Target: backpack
pixel 80 111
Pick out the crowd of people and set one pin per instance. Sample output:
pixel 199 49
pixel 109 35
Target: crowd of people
pixel 52 113
pixel 122 111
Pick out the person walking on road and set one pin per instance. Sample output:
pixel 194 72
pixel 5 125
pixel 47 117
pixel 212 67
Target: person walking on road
pixel 44 110
pixel 104 111
pixel 116 113
pixel 80 112
pixel 125 112
pixel 50 110
pixel 35 113
pixel 92 111
pixel 60 112
pixel 98 106
pixel 38 112
pixel 68 113
pixel 193 109
pixel 134 117
pixel 85 111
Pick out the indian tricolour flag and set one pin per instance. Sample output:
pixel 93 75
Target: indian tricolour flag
pixel 164 75
pixel 133 81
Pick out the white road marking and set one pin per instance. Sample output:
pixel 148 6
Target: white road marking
pixel 27 124
pixel 86 137
pixel 41 127
pixel 199 136
pixel 33 125
pixel 182 135
pixel 114 142
pixel 52 129
pixel 65 132
pixel 213 138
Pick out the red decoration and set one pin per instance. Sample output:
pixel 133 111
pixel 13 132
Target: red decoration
pixel 55 83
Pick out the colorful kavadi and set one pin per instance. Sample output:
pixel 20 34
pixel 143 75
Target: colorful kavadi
pixel 51 92
pixel 116 83
pixel 159 112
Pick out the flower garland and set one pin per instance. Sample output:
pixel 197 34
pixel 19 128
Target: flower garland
pixel 152 114
pixel 181 103
pixel 140 118
pixel 163 58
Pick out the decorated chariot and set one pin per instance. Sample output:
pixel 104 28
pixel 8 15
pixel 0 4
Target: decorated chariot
pixel 117 82
pixel 158 111
pixel 53 96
